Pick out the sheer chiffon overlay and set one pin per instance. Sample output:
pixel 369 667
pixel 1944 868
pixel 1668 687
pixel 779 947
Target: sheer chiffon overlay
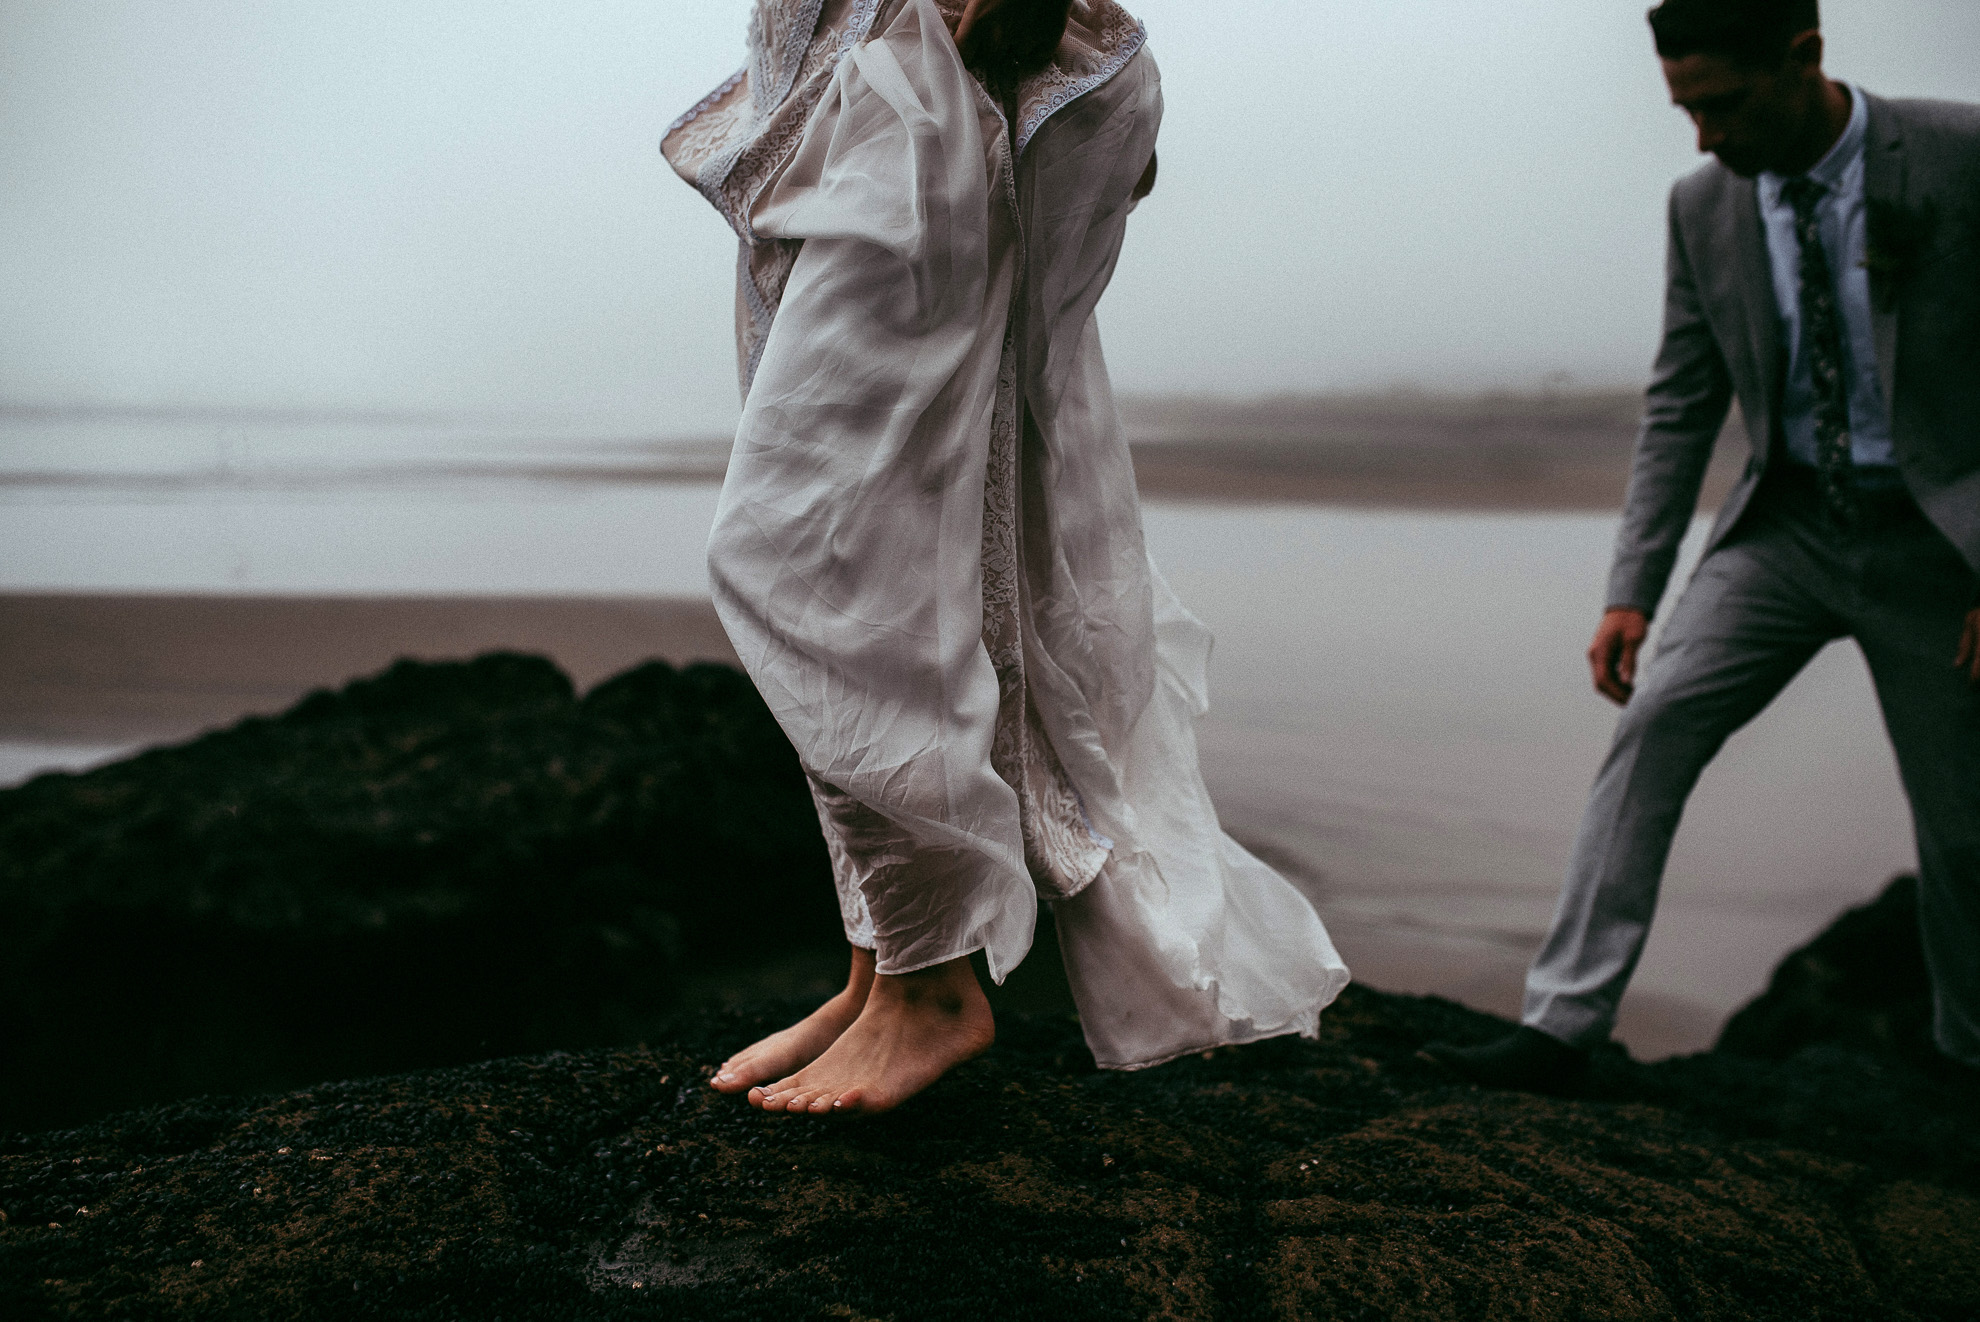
pixel 928 550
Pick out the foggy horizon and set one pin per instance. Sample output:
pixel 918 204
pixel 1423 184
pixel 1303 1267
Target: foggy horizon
pixel 451 212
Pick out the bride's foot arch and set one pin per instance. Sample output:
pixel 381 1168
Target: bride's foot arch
pixel 914 1028
pixel 789 1050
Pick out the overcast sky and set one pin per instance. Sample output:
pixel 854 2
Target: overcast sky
pixel 458 204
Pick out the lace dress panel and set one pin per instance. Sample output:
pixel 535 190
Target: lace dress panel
pixel 1061 852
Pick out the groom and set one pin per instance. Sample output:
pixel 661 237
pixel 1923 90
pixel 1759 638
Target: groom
pixel 1825 272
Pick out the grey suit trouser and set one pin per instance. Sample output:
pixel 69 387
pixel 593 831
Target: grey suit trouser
pixel 1760 606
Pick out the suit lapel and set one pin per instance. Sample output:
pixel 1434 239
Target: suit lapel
pixel 1883 188
pixel 1753 275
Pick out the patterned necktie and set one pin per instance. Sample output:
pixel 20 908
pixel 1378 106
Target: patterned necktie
pixel 1822 340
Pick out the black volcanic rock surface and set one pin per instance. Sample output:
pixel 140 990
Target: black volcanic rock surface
pixel 1344 1178
pixel 456 861
pixel 446 862
pixel 1861 983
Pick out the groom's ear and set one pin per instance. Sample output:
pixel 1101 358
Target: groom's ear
pixel 1804 53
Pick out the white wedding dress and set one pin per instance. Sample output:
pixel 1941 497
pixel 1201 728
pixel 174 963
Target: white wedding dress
pixel 928 551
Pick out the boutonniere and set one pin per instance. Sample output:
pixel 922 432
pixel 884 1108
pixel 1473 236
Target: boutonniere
pixel 1898 239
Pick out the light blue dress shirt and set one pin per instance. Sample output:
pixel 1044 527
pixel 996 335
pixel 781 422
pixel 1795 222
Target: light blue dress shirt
pixel 1840 216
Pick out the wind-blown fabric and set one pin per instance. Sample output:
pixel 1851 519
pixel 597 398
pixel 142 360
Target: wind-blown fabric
pixel 928 551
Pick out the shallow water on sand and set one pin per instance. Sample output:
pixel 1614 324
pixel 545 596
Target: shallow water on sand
pixel 1402 711
pixel 1402 717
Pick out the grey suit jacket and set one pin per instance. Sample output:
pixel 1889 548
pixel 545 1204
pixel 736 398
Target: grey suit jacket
pixel 1723 339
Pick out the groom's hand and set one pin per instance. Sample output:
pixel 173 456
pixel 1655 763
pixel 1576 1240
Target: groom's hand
pixel 1618 638
pixel 1969 646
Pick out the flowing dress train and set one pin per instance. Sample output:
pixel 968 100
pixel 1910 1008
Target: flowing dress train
pixel 928 550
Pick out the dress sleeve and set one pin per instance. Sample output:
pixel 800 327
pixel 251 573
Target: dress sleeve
pixel 845 559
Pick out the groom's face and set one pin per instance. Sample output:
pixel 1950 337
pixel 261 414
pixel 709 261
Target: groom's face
pixel 1750 118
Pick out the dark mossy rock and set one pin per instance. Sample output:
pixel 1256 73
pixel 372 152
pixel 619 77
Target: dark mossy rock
pixel 1343 1178
pixel 442 863
pixel 1860 984
pixel 382 874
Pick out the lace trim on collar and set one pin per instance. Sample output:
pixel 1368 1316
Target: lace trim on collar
pixel 777 42
pixel 706 104
pixel 791 59
pixel 1116 38
pixel 1100 39
pixel 806 57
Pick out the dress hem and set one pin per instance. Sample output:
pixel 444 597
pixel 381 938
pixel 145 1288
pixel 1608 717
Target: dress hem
pixel 925 964
pixel 1306 1025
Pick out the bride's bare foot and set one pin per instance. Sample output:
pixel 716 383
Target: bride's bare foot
pixel 797 1046
pixel 914 1028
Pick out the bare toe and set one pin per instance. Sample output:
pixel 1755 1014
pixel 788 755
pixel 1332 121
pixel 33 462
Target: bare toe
pixel 909 1032
pixel 783 1053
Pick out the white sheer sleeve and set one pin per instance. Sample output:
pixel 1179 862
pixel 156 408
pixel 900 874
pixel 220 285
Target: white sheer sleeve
pixel 846 554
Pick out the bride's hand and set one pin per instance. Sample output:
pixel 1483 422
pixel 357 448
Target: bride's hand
pixel 974 13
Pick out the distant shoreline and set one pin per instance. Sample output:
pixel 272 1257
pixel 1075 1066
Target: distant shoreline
pixel 1515 453
pixel 1401 450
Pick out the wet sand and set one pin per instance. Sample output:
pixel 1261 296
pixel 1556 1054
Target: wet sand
pixel 90 669
pixel 114 671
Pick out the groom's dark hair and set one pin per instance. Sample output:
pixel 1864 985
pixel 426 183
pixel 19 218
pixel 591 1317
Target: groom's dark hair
pixel 1752 33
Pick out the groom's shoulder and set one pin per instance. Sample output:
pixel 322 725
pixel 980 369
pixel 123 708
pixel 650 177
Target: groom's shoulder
pixel 1933 133
pixel 1710 180
pixel 1952 119
pixel 1697 196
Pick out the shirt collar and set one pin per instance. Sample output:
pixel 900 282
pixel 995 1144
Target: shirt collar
pixel 1843 153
